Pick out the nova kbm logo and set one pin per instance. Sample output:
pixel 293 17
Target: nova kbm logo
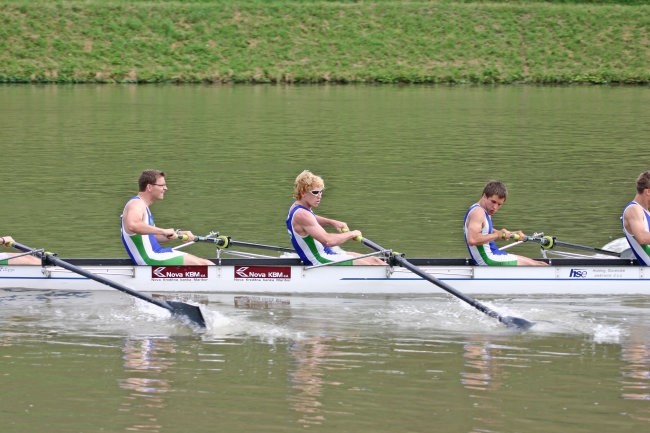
pixel 578 273
pixel 160 273
pixel 172 272
pixel 260 273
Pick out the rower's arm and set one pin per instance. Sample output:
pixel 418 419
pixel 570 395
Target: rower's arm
pixel 635 223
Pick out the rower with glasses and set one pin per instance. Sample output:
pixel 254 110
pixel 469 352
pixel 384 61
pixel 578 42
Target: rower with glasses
pixel 312 242
pixel 140 235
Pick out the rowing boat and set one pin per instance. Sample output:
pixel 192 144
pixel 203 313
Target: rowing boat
pixel 573 276
pixel 614 272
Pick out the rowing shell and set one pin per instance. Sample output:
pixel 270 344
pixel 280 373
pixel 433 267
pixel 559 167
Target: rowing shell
pixel 287 276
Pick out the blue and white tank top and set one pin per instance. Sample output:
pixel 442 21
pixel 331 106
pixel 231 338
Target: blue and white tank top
pixel 145 249
pixel 310 250
pixel 642 252
pixel 487 254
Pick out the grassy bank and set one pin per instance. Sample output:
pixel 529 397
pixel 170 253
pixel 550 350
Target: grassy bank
pixel 243 41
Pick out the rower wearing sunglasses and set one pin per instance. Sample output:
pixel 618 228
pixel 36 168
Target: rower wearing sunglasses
pixel 309 238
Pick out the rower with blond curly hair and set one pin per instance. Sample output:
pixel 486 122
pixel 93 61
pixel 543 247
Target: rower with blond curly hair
pixel 309 238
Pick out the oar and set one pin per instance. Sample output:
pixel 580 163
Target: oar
pixel 548 242
pixel 510 321
pixel 178 309
pixel 222 241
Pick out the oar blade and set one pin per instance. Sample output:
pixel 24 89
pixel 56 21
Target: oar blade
pixel 517 322
pixel 188 312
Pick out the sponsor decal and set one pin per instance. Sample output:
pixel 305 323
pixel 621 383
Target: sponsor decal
pixel 604 273
pixel 262 273
pixel 179 272
pixel 578 273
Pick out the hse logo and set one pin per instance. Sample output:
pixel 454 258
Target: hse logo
pixel 262 272
pixel 578 273
pixel 179 272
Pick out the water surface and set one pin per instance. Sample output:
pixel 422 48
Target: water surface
pixel 400 163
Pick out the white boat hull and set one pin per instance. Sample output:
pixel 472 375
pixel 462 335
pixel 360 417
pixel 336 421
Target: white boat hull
pixel 287 276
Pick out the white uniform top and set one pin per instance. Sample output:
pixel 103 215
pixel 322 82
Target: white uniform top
pixel 311 251
pixel 145 249
pixel 642 252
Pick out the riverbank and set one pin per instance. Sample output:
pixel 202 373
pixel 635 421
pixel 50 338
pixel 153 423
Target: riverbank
pixel 116 41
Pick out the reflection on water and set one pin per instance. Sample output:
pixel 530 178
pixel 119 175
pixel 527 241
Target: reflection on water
pixel 146 362
pixel 636 372
pixel 307 379
pixel 480 366
pixel 481 377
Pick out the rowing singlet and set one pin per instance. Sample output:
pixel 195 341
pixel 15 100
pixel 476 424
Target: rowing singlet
pixel 311 251
pixel 145 249
pixel 487 254
pixel 642 252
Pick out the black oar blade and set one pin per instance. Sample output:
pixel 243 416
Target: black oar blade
pixel 517 322
pixel 187 311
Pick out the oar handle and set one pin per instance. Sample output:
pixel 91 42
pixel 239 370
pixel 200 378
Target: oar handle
pixel 358 238
pixel 221 241
pixel 26 251
pixel 518 237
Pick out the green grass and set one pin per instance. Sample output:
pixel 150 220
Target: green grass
pixel 381 41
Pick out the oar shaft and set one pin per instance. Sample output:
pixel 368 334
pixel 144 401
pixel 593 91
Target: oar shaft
pixel 473 302
pixel 225 242
pixel 81 271
pixel 548 242
pixel 508 321
pixel 420 272
pixel 371 244
pixel 47 258
pixel 261 246
pixel 586 248
pixel 50 258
